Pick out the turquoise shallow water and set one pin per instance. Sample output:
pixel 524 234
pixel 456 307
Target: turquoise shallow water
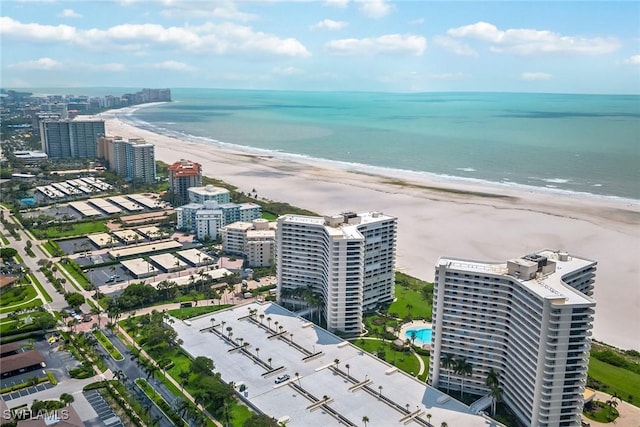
pixel 574 143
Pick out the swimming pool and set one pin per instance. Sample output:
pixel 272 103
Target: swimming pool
pixel 423 335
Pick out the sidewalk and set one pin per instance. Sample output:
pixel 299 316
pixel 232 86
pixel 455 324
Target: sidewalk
pixel 629 414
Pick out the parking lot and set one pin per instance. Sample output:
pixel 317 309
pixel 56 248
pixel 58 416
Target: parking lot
pixel 106 416
pixel 26 391
pixel 325 372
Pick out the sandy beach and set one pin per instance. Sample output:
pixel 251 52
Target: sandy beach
pixel 446 218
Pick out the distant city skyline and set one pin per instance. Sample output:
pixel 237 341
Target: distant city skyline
pixel 337 45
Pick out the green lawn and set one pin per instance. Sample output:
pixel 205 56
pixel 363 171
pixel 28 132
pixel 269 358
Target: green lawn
pixel 603 413
pixel 104 342
pixel 80 278
pixel 17 295
pixel 405 361
pixel 269 216
pixel 410 302
pixel 187 313
pixel 621 381
pixel 78 229
pixel 44 293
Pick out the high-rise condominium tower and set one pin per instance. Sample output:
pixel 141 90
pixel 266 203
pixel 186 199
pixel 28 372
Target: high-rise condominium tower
pixel 62 139
pixel 529 320
pixel 182 176
pixel 346 262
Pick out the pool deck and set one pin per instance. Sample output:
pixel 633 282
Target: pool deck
pixel 411 325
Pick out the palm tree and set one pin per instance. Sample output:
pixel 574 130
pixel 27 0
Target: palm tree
pixel 297 375
pixel 269 360
pixel 429 418
pixel 380 391
pixel 447 361
pixel 492 378
pixel 464 369
pixel 269 322
pixel 261 317
pixel 365 420
pixel 119 375
pixel 444 424
pixel 612 404
pixel 496 393
pixel 347 366
pixel 258 352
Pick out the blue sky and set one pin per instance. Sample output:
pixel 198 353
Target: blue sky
pixel 359 45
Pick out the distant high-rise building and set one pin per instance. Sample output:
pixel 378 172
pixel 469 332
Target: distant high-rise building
pixel 528 320
pixel 347 261
pixel 133 159
pixel 63 139
pixel 182 176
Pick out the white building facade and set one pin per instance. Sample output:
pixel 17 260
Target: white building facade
pixel 347 260
pixel 529 320
pixel 254 240
pixel 207 218
pixel 208 192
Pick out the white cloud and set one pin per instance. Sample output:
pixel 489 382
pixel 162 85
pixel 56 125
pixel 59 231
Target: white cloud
pixel 38 64
pixel 227 38
pixel 375 9
pixel 534 76
pixel 336 3
pixel 36 32
pixel 632 60
pixel 523 41
pixel 221 9
pixel 417 21
pixel 454 46
pixel 387 44
pixel 173 66
pixel 69 13
pixel 328 24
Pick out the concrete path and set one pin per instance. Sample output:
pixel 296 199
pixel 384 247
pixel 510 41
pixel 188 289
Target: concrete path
pixel 629 414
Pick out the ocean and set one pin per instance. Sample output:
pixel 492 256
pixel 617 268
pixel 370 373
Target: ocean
pixel 586 144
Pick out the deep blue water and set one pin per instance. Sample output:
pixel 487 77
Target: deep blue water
pixel 577 143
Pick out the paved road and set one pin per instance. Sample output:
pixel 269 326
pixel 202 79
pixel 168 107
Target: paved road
pixel 132 370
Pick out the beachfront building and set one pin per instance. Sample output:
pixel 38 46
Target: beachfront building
pixel 208 192
pixel 183 175
pixel 206 219
pixel 63 139
pixel 131 159
pixel 254 240
pixel 529 320
pixel 346 261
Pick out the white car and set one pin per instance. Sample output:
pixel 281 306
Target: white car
pixel 282 378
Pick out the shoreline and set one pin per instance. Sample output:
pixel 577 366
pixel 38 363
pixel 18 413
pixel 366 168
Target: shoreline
pixel 442 180
pixel 440 217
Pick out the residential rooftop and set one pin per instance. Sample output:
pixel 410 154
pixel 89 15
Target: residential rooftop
pixel 281 343
pixel 541 272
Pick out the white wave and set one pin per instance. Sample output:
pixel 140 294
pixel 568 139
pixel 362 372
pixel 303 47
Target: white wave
pixel 555 180
pixel 467 169
pixel 371 169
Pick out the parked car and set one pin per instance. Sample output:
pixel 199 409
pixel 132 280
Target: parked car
pixel 282 378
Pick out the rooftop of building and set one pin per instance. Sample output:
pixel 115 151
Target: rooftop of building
pixel 20 361
pixel 547 269
pixel 208 190
pixel 345 225
pixel 307 354
pixel 185 168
